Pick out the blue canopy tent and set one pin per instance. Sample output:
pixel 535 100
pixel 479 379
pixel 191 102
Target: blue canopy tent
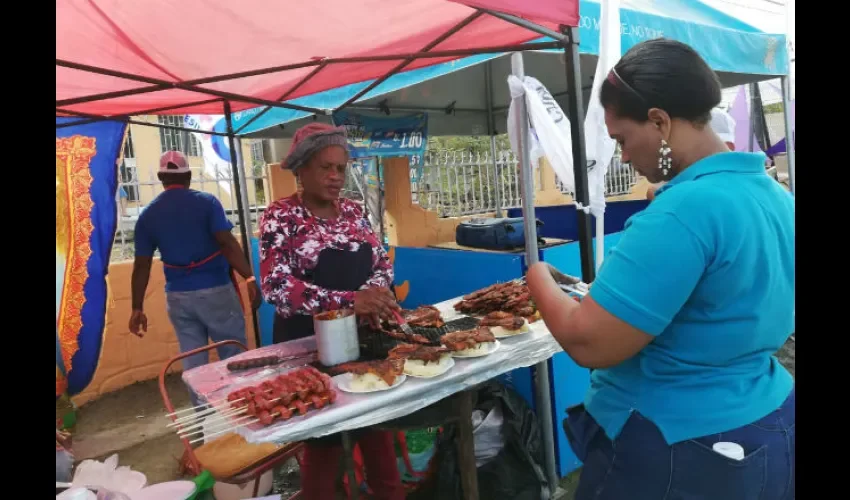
pixel 455 94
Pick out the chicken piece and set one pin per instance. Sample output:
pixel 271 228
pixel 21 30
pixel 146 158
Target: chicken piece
pixel 424 316
pixel 388 369
pixel 284 412
pixel 317 400
pixel 301 406
pixel 504 319
pixel 465 339
pixel 400 335
pixel 265 417
pixel 424 353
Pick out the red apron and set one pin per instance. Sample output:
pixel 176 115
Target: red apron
pixel 201 262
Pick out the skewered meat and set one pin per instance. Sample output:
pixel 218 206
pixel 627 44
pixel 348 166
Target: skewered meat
pixel 504 319
pixel 387 369
pixel 424 316
pixel 247 364
pixel 466 339
pixel 427 354
pixel 278 398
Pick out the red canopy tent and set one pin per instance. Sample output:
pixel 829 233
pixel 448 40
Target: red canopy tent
pixel 116 59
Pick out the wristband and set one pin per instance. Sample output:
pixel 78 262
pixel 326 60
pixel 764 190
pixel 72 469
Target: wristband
pixel 250 280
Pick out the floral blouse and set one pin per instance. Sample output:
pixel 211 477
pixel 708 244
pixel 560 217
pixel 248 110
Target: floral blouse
pixel 291 238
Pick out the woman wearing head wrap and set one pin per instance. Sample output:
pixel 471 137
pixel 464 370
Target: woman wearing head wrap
pixel 318 253
pixel 686 399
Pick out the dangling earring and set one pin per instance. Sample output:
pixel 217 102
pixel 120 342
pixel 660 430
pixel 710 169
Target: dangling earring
pixel 665 163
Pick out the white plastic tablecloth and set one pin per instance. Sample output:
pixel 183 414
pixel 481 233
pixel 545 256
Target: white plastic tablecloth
pixel 352 411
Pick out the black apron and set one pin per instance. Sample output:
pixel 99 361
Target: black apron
pixel 338 270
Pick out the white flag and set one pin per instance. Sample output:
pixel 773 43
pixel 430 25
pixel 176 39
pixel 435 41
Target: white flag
pixel 214 148
pixel 600 147
pixel 549 127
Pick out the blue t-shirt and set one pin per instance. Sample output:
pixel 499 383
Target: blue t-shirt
pixel 182 224
pixel 708 270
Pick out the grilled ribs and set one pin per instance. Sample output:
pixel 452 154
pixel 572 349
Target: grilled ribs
pixel 510 297
pixel 504 319
pixel 428 354
pixel 466 339
pixel 386 369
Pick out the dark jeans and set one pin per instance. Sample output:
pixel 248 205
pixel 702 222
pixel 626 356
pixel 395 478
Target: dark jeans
pixel 640 465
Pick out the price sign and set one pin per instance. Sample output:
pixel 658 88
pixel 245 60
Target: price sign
pixel 384 136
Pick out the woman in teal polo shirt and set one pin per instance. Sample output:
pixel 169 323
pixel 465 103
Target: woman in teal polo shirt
pixel 680 326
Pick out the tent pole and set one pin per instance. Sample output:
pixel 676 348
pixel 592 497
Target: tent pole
pixel 575 111
pixel 789 132
pixel 240 205
pixel 543 394
pixel 95 118
pixel 149 111
pixel 752 121
pixel 491 128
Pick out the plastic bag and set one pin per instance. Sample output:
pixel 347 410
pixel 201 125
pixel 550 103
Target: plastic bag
pixel 548 125
pixel 515 473
pixel 487 434
pixel 109 476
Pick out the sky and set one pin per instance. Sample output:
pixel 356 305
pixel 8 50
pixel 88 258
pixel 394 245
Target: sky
pixel 770 16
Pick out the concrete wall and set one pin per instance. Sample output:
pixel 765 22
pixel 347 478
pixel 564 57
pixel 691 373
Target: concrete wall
pixel 125 358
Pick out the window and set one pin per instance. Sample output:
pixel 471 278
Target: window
pixel 176 140
pixel 257 153
pixel 129 152
pixel 127 176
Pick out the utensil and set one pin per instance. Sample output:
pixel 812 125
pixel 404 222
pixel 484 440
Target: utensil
pixel 336 337
pixel 402 323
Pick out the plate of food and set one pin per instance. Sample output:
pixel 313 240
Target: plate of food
pixel 423 361
pixel 470 343
pixel 505 325
pixel 370 376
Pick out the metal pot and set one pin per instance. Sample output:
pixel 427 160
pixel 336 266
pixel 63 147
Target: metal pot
pixel 336 337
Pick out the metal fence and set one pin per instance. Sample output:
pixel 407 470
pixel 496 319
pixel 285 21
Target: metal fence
pixel 138 186
pixel 455 183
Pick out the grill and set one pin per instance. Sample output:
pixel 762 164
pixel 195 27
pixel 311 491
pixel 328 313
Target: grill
pixel 376 345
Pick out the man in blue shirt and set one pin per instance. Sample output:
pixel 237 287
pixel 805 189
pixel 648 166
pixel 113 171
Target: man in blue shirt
pixel 197 250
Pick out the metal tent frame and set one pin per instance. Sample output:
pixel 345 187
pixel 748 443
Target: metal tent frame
pixel 566 39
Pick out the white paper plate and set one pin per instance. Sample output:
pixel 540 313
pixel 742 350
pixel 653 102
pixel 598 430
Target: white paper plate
pixel 493 349
pixel 176 490
pixel 343 382
pixel 525 329
pixel 449 364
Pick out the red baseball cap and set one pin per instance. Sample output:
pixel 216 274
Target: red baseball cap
pixel 171 159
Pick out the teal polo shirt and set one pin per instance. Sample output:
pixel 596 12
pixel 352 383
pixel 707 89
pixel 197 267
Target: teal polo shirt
pixel 708 270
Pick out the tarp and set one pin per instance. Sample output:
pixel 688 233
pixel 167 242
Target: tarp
pixel 184 40
pixel 86 216
pixel 738 52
